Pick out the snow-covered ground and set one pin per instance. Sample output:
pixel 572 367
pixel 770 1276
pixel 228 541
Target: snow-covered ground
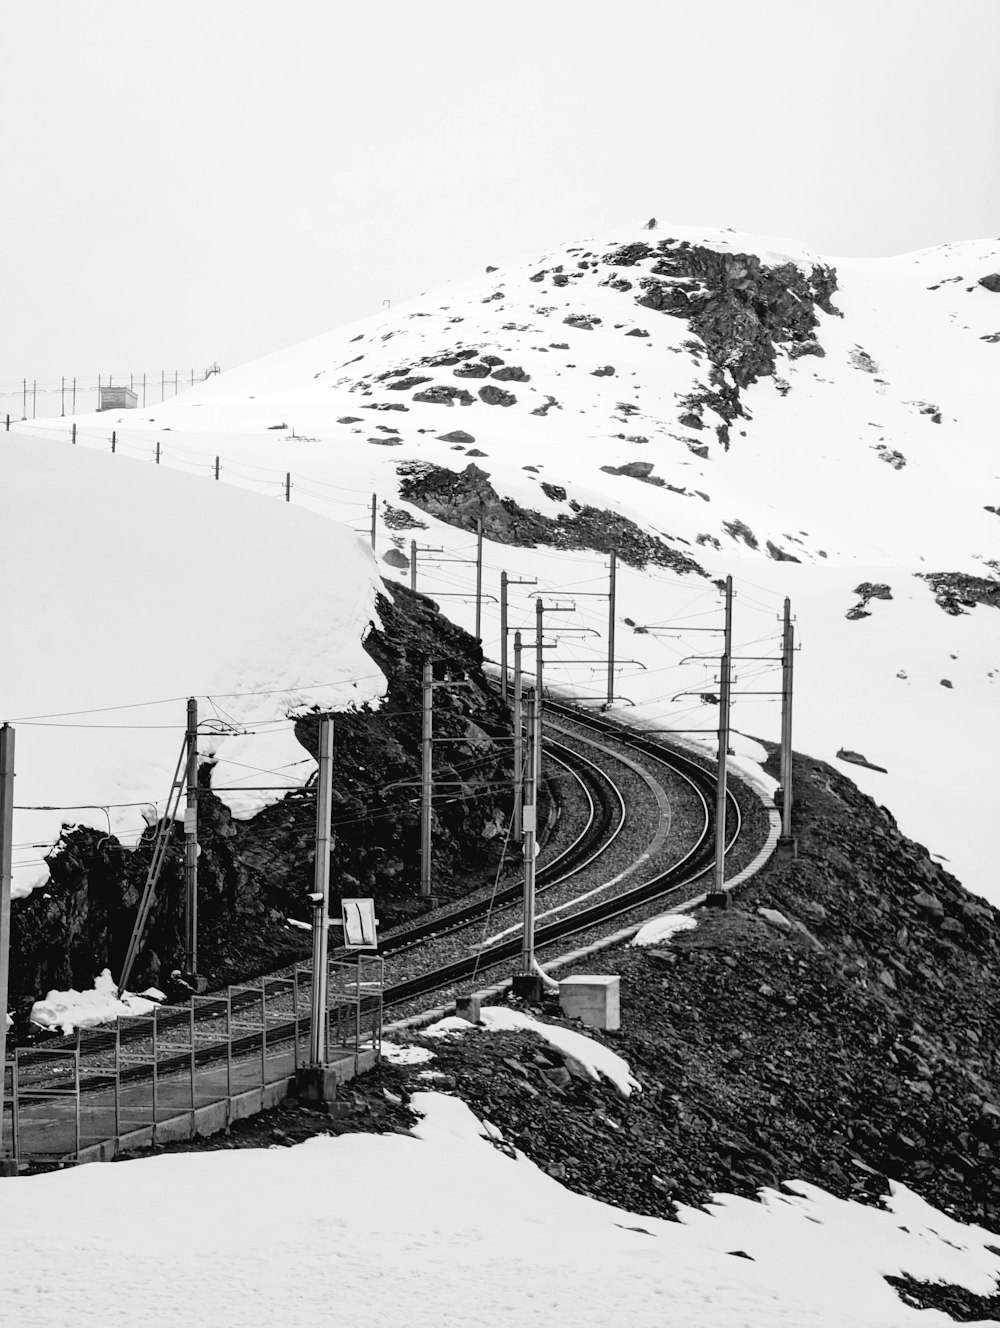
pixel 446 1230
pixel 805 471
pixel 129 589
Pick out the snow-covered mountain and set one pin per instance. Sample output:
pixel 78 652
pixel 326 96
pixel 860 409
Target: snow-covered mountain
pixel 818 427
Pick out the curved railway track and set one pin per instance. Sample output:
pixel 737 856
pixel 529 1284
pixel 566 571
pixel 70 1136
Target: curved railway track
pixel 606 817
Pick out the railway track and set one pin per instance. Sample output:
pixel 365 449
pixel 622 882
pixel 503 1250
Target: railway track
pixel 607 815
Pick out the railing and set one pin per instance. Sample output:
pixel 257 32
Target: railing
pixel 127 1087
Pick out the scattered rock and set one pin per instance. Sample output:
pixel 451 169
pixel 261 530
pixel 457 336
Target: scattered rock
pixel 991 282
pixel 855 758
pixel 496 396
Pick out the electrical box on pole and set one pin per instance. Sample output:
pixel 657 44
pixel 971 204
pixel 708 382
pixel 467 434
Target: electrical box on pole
pixel 717 895
pixel 8 1163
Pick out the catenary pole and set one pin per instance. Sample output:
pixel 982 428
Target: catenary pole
pixel 479 578
pixel 321 894
pixel 718 895
pixel 787 655
pixel 503 636
pixel 413 564
pixel 426 777
pixel 518 741
pixel 191 843
pixel 530 826
pixel 6 845
pixel 374 517
pixel 611 627
pixel 537 749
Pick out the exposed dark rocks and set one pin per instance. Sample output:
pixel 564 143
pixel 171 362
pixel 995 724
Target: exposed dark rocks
pixel 738 529
pixel 253 874
pixel 404 384
pixel 691 421
pixel 496 396
pixel 452 357
pixel 637 332
pixel 638 470
pixel 993 337
pixel 462 499
pixel 511 373
pixel 860 358
pixel 444 396
pixel 385 405
pixel 472 370
pixel 491 360
pixel 956 591
pixel 397 518
pixel 605 371
pixel 779 554
pixel 349 419
pixel 386 442
pixel 554 491
pixel 867 591
pixel 457 436
pixel 586 322
pixel 946 682
pixel 890 456
pixel 395 557
pixel 991 282
pixel 546 406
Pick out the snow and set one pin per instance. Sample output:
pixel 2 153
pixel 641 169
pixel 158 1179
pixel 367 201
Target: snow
pixel 69 1010
pixel 595 1058
pixel 398 1055
pixel 803 471
pixel 660 930
pixel 452 1232
pixel 148 587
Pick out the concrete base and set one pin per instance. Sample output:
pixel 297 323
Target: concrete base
pixel 8 1167
pixel 787 848
pixel 717 899
pixel 467 1007
pixel 528 987
pixel 593 999
pixel 317 1084
pixel 197 983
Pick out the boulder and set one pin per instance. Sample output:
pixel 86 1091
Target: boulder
pixel 495 396
pixel 991 282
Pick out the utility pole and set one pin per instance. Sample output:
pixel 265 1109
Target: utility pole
pixel 539 645
pixel 143 390
pixel 518 747
pixel 426 777
pixel 62 398
pixel 413 564
pixel 787 655
pixel 611 629
pixel 8 1165
pixel 527 983
pixel 505 583
pixel 479 578
pixel 717 895
pixel 374 517
pixel 199 984
pixel 288 486
pixel 321 896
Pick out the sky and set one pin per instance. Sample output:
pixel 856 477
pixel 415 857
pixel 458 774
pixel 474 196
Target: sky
pixel 194 183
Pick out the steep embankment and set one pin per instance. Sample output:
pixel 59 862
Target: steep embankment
pixel 852 1037
pixel 255 873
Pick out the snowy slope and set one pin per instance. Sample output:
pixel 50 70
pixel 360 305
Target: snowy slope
pixel 450 1232
pixel 128 591
pixel 866 454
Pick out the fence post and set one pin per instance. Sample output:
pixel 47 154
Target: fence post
pixel 157 451
pixel 288 486
pixel 216 467
pixel 74 435
pixel 114 439
pixel 193 1099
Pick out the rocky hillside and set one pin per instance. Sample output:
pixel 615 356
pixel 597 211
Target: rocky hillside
pixel 253 874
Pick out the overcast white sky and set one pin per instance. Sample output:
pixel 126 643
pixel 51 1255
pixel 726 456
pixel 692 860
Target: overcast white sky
pixel 214 179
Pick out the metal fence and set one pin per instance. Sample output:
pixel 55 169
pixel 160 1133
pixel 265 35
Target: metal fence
pixel 183 1070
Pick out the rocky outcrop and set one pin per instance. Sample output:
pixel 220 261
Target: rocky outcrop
pixel 464 498
pixel 253 874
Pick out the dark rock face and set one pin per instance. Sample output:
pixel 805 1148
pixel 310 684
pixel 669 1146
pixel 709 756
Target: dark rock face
pixel 253 874
pixel 496 396
pixel 956 591
pixel 444 396
pixel 867 590
pixel 991 282
pixel 511 373
pixel 472 370
pixel 457 436
pixel 740 309
pixel 461 499
pixel 858 1044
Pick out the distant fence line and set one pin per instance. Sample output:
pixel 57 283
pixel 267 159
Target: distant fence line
pixel 23 397
pixel 346 504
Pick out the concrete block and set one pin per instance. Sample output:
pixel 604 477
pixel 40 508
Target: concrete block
pixel 594 999
pixel 8 1167
pixel 467 1007
pixel 317 1084
pixel 527 987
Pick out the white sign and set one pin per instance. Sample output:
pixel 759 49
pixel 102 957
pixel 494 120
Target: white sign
pixel 359 924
